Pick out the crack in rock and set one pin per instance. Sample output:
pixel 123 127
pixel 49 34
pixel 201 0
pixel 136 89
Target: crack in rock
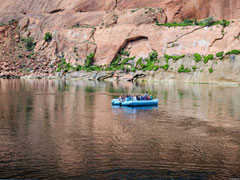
pixel 94 42
pixel 218 39
pixel 184 35
pixel 115 6
pixel 56 11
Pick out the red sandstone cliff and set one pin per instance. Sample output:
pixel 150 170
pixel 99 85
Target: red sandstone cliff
pixel 104 27
pixel 175 9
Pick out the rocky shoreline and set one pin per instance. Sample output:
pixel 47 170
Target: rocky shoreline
pixel 140 76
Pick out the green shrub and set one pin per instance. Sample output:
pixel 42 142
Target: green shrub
pixel 29 43
pixel 63 65
pixel 153 56
pixel 120 67
pixel 165 67
pixel 175 58
pixel 78 68
pixel 12 21
pixel 125 61
pixel 210 70
pixel 188 22
pixel 116 64
pixel 68 67
pixel 59 69
pixel 225 23
pixel 133 69
pixel 155 68
pixel 75 50
pixel 220 54
pixel 150 67
pixel 194 68
pixel 110 68
pixel 167 57
pixel 89 60
pixel 182 69
pixel 48 37
pixel 95 68
pixel 210 57
pixel 197 57
pixel 208 21
pixel 150 64
pixel 125 53
pixel 235 52
pixel 116 61
pixel 207 58
pixel 140 63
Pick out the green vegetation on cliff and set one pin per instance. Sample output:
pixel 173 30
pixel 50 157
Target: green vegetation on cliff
pixel 28 43
pixel 210 70
pixel 175 58
pixel 165 67
pixel 89 60
pixel 194 68
pixel 235 52
pixel 182 69
pixel 8 23
pixel 197 57
pixel 220 55
pixel 189 22
pixel 48 37
pixel 207 58
pixel 122 62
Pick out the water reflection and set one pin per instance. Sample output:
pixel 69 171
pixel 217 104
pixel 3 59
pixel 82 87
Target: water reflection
pixel 133 110
pixel 68 129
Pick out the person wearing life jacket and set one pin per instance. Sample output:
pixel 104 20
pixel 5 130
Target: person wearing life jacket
pixel 129 98
pixel 146 94
pixel 151 98
pixel 134 98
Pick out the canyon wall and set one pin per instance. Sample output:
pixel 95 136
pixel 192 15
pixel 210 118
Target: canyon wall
pixel 175 9
pixel 104 27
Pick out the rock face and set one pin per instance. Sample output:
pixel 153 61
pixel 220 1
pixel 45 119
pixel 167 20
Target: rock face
pixel 104 27
pixel 175 9
pixel 225 71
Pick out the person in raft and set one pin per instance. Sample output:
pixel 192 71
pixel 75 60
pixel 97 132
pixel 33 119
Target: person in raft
pixel 146 94
pixel 135 97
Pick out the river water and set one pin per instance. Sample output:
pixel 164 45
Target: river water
pixel 52 129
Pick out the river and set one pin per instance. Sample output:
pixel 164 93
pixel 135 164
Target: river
pixel 54 129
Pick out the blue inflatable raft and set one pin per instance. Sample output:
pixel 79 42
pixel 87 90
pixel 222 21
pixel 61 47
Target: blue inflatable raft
pixel 153 102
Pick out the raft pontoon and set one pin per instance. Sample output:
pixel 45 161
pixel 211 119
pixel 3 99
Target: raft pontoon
pixel 153 102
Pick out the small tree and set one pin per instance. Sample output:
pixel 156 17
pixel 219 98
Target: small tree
pixel 209 21
pixel 48 37
pixel 29 43
pixel 89 60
